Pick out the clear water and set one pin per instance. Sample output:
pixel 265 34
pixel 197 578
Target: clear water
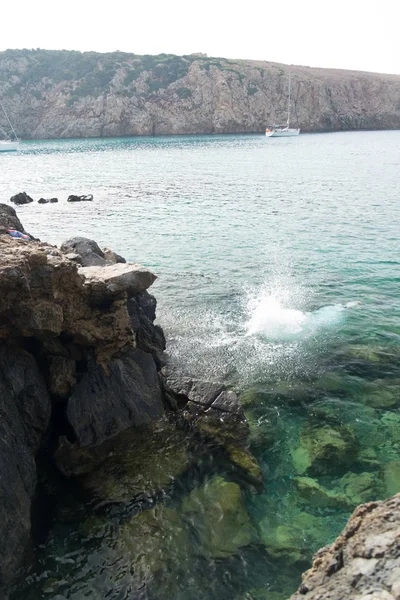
pixel 278 266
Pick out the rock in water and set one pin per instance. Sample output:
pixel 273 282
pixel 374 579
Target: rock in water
pixel 218 514
pixel 364 561
pixel 47 201
pixel 21 198
pixel 73 198
pixel 25 412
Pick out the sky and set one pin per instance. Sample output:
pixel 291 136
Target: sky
pixel 346 34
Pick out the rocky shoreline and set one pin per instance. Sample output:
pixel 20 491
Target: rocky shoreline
pixel 95 427
pixel 82 363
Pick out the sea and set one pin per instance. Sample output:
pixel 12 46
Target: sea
pixel 278 271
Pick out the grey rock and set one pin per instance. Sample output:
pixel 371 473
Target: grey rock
pixel 89 251
pixel 149 337
pixel 110 281
pixel 112 257
pixel 364 561
pixel 106 403
pixel 74 198
pixel 25 412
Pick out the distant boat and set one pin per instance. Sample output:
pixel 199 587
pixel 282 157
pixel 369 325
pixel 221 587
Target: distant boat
pixel 283 130
pixel 11 141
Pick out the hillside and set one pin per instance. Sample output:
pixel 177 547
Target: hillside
pixel 53 94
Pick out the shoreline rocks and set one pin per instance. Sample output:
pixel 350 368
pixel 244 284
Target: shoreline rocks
pixel 364 561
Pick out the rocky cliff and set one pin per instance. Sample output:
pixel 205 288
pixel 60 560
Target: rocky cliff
pixel 84 392
pixel 56 94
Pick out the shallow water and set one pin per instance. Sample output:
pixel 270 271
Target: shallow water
pixel 278 265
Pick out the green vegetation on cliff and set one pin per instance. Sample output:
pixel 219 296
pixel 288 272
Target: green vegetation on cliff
pixel 59 93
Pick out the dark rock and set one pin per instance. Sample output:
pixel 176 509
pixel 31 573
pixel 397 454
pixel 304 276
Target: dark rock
pixel 62 376
pixel 215 414
pixel 21 198
pixel 9 219
pixel 149 337
pixel 364 561
pixel 89 251
pixel 106 403
pixel 47 200
pixel 73 198
pixel 25 412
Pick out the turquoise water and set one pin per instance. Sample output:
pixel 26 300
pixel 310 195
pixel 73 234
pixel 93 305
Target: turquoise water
pixel 278 266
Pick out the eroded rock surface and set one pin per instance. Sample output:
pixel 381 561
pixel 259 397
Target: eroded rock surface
pixel 364 561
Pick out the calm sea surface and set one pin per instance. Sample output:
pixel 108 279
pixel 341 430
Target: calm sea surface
pixel 278 273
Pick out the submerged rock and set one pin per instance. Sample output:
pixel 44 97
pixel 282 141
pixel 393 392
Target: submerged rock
pixel 217 513
pixel 313 494
pixel 364 561
pixel 215 415
pixel 361 487
pixel 157 545
pixel 293 542
pixel 138 463
pixel 324 449
pixel 391 476
pixel 21 198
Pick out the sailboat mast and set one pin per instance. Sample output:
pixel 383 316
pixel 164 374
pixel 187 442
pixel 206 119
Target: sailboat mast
pixel 288 115
pixel 8 120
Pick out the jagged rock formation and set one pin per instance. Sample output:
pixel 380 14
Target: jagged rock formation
pixel 81 375
pixel 364 561
pixel 56 94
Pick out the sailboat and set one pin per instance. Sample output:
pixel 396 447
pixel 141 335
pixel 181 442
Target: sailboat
pixel 11 141
pixel 283 130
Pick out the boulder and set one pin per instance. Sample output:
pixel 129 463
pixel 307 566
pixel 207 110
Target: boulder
pixel 364 561
pixel 47 200
pixel 324 449
pixel 21 198
pixel 74 198
pixel 25 413
pixel 111 281
pixel 217 513
pixel 89 251
pixel 105 402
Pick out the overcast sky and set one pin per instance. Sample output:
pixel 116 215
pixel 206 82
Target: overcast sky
pixel 348 34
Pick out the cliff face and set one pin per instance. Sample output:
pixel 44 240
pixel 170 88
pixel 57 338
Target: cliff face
pixel 56 94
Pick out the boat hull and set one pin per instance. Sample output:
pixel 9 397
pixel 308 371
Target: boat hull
pixel 8 146
pixel 282 133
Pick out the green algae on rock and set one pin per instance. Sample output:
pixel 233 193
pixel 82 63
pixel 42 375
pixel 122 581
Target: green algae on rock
pixel 217 513
pixel 361 487
pixel 323 449
pixel 313 494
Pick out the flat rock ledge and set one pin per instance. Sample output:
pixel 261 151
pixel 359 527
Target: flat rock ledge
pixel 364 561
pixel 113 280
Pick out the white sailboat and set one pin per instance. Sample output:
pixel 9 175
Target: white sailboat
pixel 11 141
pixel 283 130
